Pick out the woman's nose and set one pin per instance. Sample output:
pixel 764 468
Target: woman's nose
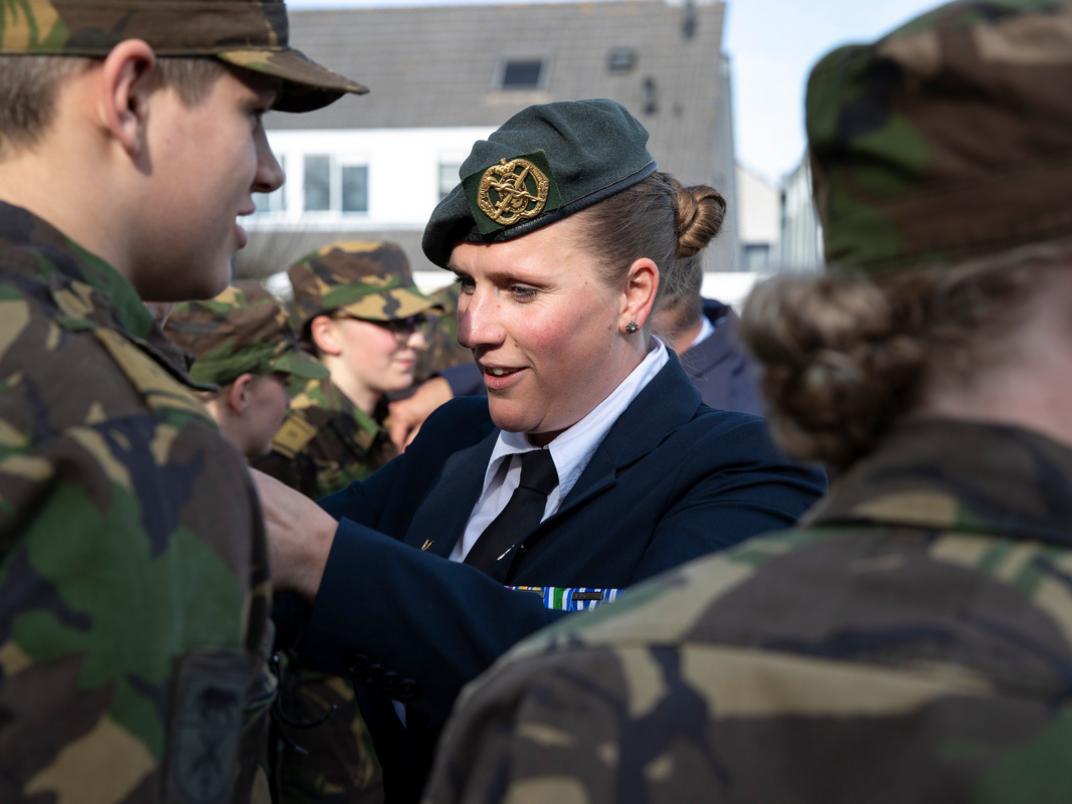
pixel 479 321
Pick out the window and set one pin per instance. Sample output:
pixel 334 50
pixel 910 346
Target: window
pixel 335 185
pixel 355 188
pixel 756 256
pixel 448 177
pixel 522 74
pixel 317 187
pixel 621 59
pixel 275 201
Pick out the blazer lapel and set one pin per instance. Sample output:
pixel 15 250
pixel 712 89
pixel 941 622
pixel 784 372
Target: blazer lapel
pixel 667 402
pixel 440 520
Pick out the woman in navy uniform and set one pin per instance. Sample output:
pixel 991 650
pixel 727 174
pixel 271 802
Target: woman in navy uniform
pixel 592 463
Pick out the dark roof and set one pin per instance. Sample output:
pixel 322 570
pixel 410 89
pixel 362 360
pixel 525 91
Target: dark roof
pixel 437 66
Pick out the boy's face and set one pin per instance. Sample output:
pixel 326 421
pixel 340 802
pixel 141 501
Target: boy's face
pixel 203 163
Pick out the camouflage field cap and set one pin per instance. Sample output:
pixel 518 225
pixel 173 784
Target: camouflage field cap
pixel 543 164
pixel 366 278
pixel 251 34
pixel 949 138
pixel 244 330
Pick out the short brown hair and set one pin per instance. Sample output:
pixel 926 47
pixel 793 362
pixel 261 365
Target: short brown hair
pixel 29 85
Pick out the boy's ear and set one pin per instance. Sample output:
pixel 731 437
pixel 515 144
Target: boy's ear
pixel 128 79
pixel 238 394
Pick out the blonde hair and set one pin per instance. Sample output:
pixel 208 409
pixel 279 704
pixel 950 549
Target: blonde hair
pixel 844 356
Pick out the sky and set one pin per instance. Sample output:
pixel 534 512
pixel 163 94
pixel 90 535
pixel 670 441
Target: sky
pixel 771 44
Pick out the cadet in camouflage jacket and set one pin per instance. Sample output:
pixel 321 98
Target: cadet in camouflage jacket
pixel 133 565
pixel 912 640
pixel 241 341
pixel 324 751
pixel 326 441
pixel 118 496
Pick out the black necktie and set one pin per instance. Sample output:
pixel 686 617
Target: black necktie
pixel 522 513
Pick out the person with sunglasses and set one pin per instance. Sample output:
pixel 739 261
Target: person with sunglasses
pixel 357 309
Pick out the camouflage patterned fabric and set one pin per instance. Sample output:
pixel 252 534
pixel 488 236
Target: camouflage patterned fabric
pixel 133 568
pixel 443 349
pixel 326 442
pixel 251 34
pixel 948 138
pixel 368 279
pixel 324 752
pixel 911 643
pixel 243 330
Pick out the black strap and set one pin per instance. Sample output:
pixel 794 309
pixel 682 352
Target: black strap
pixel 521 515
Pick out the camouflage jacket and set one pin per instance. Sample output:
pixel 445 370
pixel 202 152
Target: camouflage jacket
pixel 322 751
pixel 912 642
pixel 133 571
pixel 326 442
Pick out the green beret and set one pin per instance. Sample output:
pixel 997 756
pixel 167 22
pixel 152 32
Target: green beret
pixel 543 164
pixel 251 34
pixel 244 330
pixel 949 138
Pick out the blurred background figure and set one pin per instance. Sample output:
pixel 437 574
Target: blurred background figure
pixel 357 309
pixel 912 641
pixel 444 352
pixel 241 341
pixel 704 333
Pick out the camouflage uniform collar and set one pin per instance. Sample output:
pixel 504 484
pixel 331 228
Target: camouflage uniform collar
pixel 86 288
pixel 324 394
pixel 959 476
pixel 341 403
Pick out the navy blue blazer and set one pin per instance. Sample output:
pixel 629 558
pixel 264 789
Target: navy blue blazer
pixel 719 366
pixel 672 480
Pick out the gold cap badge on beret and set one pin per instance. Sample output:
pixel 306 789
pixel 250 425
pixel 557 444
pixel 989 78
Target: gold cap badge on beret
pixel 511 191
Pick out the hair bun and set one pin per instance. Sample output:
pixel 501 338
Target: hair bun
pixel 699 212
pixel 839 363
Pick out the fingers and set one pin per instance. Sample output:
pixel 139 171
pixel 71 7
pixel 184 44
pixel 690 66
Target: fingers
pixel 407 415
pixel 398 426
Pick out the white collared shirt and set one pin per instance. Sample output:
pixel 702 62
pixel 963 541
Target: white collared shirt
pixel 571 451
pixel 707 329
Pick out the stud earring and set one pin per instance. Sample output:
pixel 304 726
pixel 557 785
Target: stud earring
pixel 631 327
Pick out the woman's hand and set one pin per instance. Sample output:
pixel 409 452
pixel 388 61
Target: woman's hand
pixel 300 535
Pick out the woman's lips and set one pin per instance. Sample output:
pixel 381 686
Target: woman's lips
pixel 499 378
